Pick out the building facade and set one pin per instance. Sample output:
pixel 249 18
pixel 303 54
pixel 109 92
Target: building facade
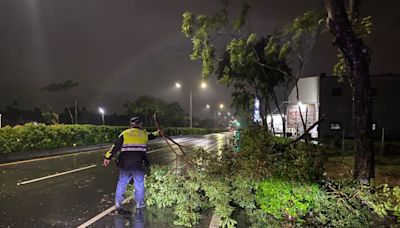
pixel 326 95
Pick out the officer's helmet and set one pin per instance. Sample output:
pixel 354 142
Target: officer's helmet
pixel 135 120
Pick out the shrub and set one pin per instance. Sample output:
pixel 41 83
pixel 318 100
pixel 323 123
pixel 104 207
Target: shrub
pixel 33 136
pixel 278 157
pixel 382 199
pixel 286 200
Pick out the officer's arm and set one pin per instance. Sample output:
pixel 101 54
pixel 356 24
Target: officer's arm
pixel 114 148
pixel 153 134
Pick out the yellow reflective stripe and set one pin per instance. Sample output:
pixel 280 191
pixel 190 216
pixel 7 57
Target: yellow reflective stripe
pixel 108 153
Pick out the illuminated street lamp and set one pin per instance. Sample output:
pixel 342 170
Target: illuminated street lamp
pixel 203 85
pixel 101 110
pixel 214 110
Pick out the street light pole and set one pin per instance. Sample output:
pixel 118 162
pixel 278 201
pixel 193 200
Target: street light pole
pixel 214 121
pixel 203 85
pixel 0 120
pixel 214 110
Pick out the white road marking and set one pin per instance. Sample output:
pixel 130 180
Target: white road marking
pixel 101 215
pixel 56 175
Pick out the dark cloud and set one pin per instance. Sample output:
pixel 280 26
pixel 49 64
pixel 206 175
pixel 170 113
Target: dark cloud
pixel 119 50
pixel 55 87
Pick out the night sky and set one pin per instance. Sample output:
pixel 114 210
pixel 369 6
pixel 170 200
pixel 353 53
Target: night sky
pixel 118 50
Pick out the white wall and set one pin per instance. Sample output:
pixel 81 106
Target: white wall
pixel 308 91
pixel 309 97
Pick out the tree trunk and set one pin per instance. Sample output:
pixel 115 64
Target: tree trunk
pixel 282 115
pixel 267 104
pixel 358 60
pixel 70 115
pixel 76 112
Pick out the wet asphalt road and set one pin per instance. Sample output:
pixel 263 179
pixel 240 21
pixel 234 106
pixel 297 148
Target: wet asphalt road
pixel 72 199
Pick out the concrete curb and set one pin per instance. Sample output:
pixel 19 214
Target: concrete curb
pixel 215 221
pixel 26 155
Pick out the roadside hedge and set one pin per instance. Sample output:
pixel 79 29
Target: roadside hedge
pixel 33 136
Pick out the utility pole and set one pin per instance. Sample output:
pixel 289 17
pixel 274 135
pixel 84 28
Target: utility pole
pixel 214 121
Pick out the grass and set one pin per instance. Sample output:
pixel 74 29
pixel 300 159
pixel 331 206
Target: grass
pixel 387 169
pixel 339 160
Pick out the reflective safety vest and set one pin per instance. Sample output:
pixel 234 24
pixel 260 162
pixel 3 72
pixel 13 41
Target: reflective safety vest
pixel 135 140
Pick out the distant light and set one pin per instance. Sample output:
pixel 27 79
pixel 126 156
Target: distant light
pixel 221 105
pixel 299 104
pixel 177 85
pixel 219 113
pixel 224 117
pixel 229 113
pixel 203 85
pixel 101 110
pixel 207 106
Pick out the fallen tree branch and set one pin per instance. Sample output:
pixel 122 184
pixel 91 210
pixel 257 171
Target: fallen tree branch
pixel 308 129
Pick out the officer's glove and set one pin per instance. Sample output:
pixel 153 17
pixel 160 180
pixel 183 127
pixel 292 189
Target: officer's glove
pixel 157 133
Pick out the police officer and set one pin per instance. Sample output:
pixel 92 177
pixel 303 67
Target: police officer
pixel 131 161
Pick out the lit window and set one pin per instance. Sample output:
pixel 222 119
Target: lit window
pixel 335 126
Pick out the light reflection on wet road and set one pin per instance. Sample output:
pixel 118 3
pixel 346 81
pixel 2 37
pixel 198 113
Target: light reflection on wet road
pixel 72 199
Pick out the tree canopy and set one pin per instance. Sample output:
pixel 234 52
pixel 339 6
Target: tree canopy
pixel 171 114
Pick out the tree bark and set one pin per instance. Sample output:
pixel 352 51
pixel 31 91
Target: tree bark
pixel 275 98
pixel 76 112
pixel 358 59
pixel 70 115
